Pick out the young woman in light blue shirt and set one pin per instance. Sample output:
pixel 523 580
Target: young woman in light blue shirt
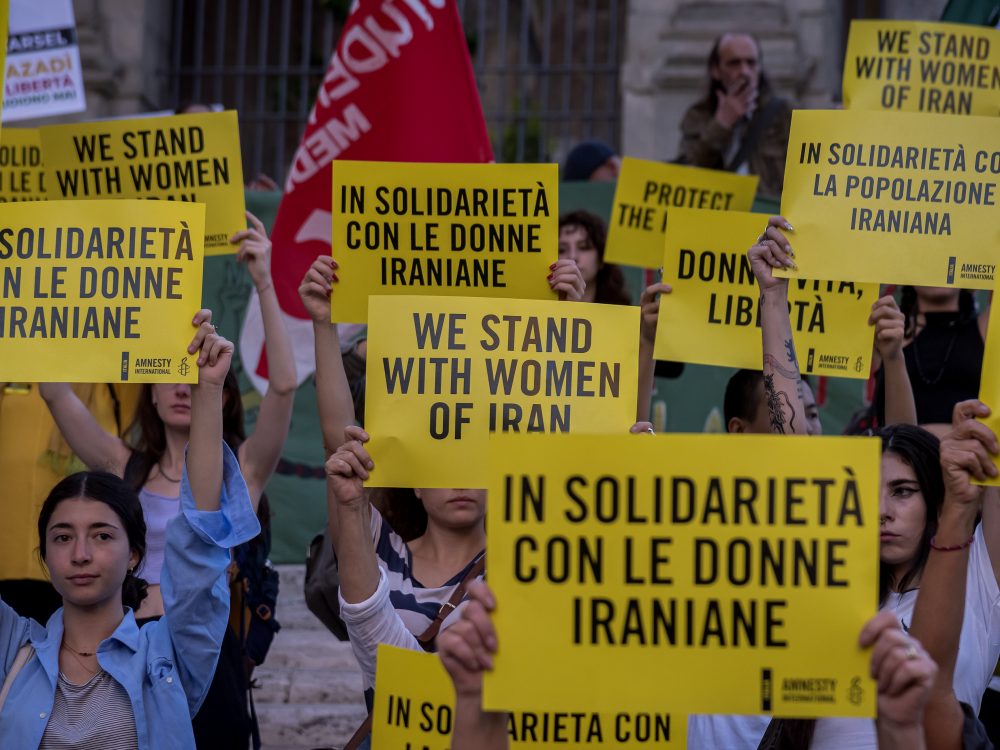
pixel 90 678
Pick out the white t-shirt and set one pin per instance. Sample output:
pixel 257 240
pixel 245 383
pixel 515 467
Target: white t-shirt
pixel 978 650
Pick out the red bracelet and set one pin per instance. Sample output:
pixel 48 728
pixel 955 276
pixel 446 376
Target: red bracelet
pixel 955 548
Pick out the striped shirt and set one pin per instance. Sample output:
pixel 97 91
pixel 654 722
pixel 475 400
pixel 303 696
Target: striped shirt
pixel 415 604
pixel 94 716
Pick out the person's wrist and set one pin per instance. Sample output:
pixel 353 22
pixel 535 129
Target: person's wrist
pixel 208 388
pixel 903 734
pixel 956 521
pixel 776 295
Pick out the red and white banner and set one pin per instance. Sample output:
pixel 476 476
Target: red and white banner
pixel 400 87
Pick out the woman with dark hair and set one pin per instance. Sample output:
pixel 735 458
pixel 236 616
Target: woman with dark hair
pixel 582 236
pixel 920 486
pixel 152 466
pixel 943 348
pixel 163 418
pixel 91 677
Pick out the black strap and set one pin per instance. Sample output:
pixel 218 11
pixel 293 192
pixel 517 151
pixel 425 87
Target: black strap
pixel 755 131
pixel 359 736
pixel 426 639
pixel 242 637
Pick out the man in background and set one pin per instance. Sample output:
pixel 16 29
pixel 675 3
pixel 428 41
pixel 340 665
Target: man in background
pixel 740 125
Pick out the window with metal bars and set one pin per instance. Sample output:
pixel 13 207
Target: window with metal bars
pixel 548 70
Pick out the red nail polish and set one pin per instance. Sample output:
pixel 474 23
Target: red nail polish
pixel 549 277
pixel 552 267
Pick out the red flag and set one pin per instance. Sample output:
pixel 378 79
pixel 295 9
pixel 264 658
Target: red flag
pixel 399 87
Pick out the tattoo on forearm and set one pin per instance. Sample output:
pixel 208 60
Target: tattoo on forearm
pixel 790 352
pixel 783 370
pixel 776 403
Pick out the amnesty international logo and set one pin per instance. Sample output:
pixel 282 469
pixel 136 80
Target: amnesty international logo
pixel 183 368
pixel 855 692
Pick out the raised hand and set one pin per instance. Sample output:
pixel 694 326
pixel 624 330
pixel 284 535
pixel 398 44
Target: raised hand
pixel 317 286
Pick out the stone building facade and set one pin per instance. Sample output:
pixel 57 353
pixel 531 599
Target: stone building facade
pixel 663 71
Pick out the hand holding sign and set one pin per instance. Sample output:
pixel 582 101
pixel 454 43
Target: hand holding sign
pixel 567 281
pixel 214 351
pixel 772 251
pixel 649 305
pixel 889 325
pixel 317 286
pixel 968 453
pixel 348 468
pixel 467 647
pixel 903 670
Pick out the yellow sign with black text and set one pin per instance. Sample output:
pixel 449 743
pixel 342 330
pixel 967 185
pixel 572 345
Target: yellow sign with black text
pixel 185 158
pixel 415 708
pixel 648 191
pixel 444 373
pixel 99 292
pixel 22 176
pixel 639 556
pixel 479 230
pixel 893 197
pixel 918 66
pixel 989 383
pixel 712 316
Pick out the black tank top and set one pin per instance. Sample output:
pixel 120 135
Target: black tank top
pixel 944 363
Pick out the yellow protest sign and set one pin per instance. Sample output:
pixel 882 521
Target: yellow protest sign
pixel 415 707
pixel 21 169
pixel 712 316
pixel 443 373
pixel 916 66
pixel 648 190
pixel 183 158
pixel 99 292
pixel 893 197
pixel 635 557
pixel 989 383
pixel 484 230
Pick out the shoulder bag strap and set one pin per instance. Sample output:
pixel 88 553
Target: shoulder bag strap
pixel 755 131
pixel 426 639
pixel 24 655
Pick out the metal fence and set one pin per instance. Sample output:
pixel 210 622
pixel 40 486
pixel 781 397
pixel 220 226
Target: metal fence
pixel 548 70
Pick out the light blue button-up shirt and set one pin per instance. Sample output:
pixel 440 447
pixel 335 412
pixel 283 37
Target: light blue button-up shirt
pixel 165 667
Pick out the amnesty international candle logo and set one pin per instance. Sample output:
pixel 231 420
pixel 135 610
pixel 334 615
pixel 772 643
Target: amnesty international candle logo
pixel 80 279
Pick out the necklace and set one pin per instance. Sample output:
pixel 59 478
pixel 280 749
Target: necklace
pixel 166 476
pixel 78 653
pixel 944 361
